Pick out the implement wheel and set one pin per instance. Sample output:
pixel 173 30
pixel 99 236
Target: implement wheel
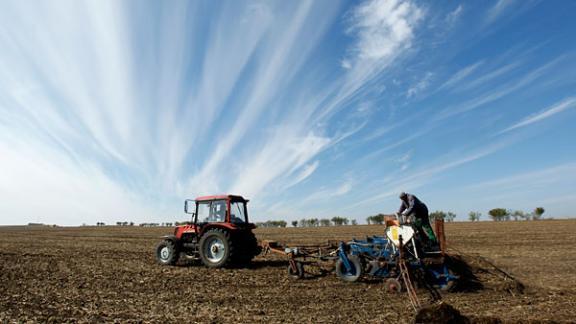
pixel 393 286
pixel 298 273
pixel 355 272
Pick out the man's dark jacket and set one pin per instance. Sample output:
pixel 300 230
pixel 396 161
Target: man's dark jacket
pixel 414 206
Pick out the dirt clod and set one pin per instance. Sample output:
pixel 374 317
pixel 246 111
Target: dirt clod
pixel 439 313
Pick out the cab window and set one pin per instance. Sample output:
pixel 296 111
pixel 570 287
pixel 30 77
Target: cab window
pixel 238 212
pixel 212 211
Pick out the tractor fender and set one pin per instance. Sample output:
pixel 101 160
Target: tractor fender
pixel 171 238
pixel 224 226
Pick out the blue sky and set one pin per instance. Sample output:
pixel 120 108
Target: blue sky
pixel 118 110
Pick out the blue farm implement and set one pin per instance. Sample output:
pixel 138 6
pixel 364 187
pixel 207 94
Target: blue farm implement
pixel 398 258
pixel 380 257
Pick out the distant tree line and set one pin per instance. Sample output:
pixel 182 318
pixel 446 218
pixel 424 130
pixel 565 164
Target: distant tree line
pixel 315 222
pixel 502 214
pixel 375 219
pixel 272 223
pixel 143 224
pixel 497 214
pixel 447 216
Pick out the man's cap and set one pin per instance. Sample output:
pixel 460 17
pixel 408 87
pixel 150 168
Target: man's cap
pixel 403 195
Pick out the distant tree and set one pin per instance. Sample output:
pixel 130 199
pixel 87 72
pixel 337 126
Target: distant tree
pixel 538 212
pixel 518 214
pixel 437 215
pixel 294 223
pixel 450 216
pixel 369 220
pixel 474 216
pixel 118 223
pixel 378 219
pixel 499 214
pixel 338 221
pixel 324 222
pixel 303 222
pixel 354 222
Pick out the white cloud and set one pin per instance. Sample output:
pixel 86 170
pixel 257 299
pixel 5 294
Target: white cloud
pixel 279 158
pixel 306 171
pixel 453 16
pixel 383 28
pixel 404 160
pixel 544 114
pixel 498 9
pixel 420 86
pixel 486 78
pixel 460 75
pixel 383 31
pixel 494 95
pixel 328 193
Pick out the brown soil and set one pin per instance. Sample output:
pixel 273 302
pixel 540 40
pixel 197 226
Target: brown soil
pixel 513 272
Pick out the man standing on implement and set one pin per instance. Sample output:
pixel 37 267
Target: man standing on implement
pixel 414 211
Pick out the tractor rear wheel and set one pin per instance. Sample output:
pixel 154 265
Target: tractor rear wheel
pixel 166 253
pixel 216 249
pixel 246 247
pixel 355 272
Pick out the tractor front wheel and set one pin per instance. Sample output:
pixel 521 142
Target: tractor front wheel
pixel 215 248
pixel 166 253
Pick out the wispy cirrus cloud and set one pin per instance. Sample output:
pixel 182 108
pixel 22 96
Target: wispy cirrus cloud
pixel 493 95
pixel 460 75
pixel 544 114
pixel 498 9
pixel 195 103
pixel 420 86
pixel 425 174
pixel 542 178
pixel 454 15
pixel 382 31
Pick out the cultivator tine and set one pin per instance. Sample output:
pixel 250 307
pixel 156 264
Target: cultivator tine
pixel 406 278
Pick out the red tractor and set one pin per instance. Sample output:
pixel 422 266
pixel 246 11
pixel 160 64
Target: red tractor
pixel 219 234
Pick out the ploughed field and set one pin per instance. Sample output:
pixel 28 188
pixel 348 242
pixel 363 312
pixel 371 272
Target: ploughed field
pixel 515 272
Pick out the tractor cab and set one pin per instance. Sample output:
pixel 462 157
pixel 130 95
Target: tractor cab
pixel 227 210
